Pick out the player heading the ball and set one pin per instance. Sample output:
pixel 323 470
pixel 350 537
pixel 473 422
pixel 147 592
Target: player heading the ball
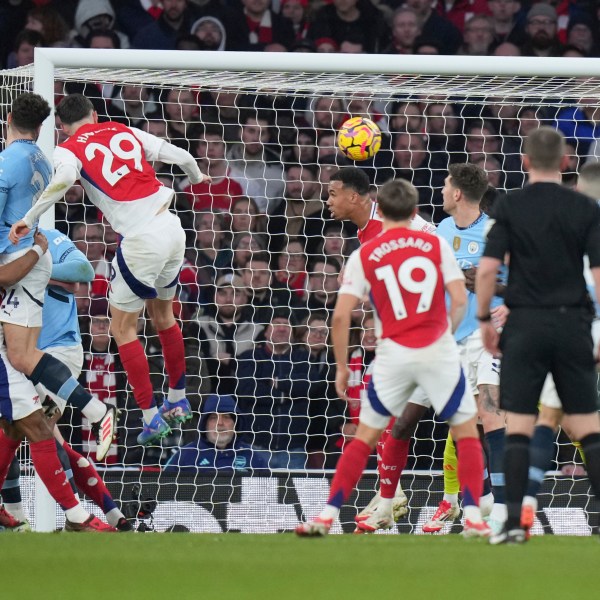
pixel 112 162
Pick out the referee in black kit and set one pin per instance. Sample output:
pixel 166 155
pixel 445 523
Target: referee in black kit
pixel 545 229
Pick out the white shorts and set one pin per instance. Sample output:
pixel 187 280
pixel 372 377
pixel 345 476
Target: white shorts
pixel 72 356
pixel 549 396
pixel 399 370
pixel 18 397
pixel 23 302
pixel 481 368
pixel 147 264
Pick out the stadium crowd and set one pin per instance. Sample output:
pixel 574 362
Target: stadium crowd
pixel 264 252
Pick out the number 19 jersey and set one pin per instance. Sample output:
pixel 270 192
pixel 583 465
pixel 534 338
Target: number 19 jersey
pixel 112 163
pixel 404 272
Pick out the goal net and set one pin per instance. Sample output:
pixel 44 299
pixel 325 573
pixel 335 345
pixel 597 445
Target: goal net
pixel 264 254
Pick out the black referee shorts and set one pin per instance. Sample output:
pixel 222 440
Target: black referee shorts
pixel 538 341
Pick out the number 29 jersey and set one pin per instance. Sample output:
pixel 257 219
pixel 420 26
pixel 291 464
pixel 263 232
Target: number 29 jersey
pixel 112 163
pixel 404 272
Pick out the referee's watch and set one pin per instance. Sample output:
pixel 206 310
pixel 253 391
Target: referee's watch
pixel 485 318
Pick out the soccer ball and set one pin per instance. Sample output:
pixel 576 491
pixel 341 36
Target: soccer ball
pixel 359 138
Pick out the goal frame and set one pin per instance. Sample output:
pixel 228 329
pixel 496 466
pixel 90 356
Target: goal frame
pixel 47 60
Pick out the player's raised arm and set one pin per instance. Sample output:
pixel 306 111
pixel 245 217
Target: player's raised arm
pixel 65 175
pixel 157 149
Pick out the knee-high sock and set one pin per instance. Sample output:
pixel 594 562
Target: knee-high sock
pixel 540 458
pixel 8 448
pixel 136 366
pixel 348 472
pixel 48 467
pixel 66 465
pixel 516 471
pixel 393 462
pixel 591 446
pixel 174 352
pixel 387 432
pixel 451 484
pixel 495 443
pixel 88 480
pixel 470 470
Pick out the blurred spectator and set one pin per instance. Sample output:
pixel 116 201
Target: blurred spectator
pixel 304 148
pixel 458 12
pixel 507 49
pixel 571 168
pixel 541 32
pixel 424 170
pixel 245 217
pixel 406 28
pixel 301 201
pixel 134 15
pixel 581 123
pixel 583 35
pixel 406 117
pixel 325 114
pixel 162 34
pixel 265 294
pixel 436 27
pixel 89 239
pixel 478 36
pixel 210 32
pixel 209 253
pixel 326 45
pixel 351 19
pixel 291 267
pixel 73 210
pixel 49 23
pixel 273 393
pixel 323 284
pixel 255 25
pixel 505 21
pixel 425 45
pixel 223 333
pixel 335 243
pixel 353 43
pixel 132 105
pixel 255 165
pixel 181 111
pixel 104 39
pixel 493 169
pixel 442 126
pixel 25 44
pixel 95 14
pixel 219 448
pixel 222 190
pixel 297 11
pixel 244 245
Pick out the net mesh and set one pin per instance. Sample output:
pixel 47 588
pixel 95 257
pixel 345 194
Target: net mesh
pixel 268 139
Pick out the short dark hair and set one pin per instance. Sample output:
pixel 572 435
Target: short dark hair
pixel 397 199
pixel 262 256
pixel 354 178
pixel 29 111
pixel 545 148
pixel 107 33
pixel 470 179
pixel 73 108
pixel 27 36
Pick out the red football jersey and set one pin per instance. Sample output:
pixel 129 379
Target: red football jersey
pixel 404 271
pixel 113 160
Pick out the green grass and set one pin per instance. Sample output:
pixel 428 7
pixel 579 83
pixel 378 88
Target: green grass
pixel 283 567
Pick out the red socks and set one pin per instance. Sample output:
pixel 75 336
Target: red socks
pixel 173 350
pixel 470 470
pixel 8 448
pixel 391 465
pixel 136 366
pixel 88 480
pixel 47 465
pixel 348 472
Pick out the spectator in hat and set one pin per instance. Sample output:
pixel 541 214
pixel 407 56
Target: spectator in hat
pixel 210 32
pixel 219 448
pixel 541 32
pixel 223 331
pixel 273 393
pixel 95 14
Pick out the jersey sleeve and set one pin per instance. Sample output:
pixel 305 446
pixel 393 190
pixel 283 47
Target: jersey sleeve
pixel 497 239
pixel 449 267
pixel 69 264
pixel 66 173
pixel 156 148
pixel 354 281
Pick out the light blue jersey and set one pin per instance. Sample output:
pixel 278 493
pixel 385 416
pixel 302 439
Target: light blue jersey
pixel 24 174
pixel 468 245
pixel 60 326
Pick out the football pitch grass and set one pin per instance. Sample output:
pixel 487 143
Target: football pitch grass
pixel 236 566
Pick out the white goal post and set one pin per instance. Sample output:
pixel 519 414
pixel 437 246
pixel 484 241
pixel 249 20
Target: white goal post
pixel 480 90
